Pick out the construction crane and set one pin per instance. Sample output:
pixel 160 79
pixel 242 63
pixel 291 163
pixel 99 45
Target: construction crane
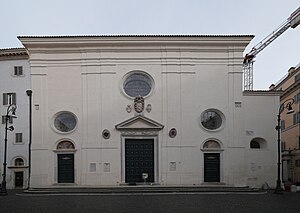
pixel 293 21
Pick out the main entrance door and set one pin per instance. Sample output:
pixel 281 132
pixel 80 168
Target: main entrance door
pixel 65 168
pixel 211 167
pixel 19 177
pixel 139 159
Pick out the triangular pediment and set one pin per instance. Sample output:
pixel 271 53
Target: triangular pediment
pixel 139 122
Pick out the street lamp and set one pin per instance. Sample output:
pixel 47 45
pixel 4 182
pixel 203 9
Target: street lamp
pixel 288 105
pixel 10 113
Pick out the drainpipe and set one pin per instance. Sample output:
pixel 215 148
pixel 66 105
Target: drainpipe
pixel 29 93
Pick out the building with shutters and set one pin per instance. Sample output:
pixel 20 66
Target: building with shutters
pixel 290 125
pixel 14 81
pixel 168 110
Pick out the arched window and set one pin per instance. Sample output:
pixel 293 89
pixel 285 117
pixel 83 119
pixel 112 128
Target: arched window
pixel 254 145
pixel 65 145
pixel 211 144
pixel 258 143
pixel 19 162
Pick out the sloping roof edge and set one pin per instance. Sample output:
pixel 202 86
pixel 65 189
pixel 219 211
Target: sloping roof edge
pixel 13 52
pixel 262 93
pixel 133 35
pixel 124 125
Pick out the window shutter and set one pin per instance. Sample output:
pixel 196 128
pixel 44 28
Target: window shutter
pixel 297 77
pixel 296 118
pixel 4 98
pixel 18 70
pixel 10 119
pixel 14 98
pixel 19 137
pixel 297 98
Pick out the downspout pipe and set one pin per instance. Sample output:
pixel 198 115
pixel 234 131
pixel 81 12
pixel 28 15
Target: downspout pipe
pixel 29 93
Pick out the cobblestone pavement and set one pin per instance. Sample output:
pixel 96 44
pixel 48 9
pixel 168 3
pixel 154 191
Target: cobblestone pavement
pixel 17 202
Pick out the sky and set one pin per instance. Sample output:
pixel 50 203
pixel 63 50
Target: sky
pixel 201 17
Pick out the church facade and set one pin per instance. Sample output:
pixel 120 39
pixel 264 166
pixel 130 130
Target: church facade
pixel 168 110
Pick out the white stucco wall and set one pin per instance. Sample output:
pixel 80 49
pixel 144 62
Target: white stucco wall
pixel 15 84
pixel 84 75
pixel 261 163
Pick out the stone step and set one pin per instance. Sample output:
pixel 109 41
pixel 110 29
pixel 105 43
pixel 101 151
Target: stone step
pixel 140 189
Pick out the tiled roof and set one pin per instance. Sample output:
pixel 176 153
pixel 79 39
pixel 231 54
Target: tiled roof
pixel 261 92
pixel 10 52
pixel 139 35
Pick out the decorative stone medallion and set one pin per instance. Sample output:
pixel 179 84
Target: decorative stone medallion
pixel 106 134
pixel 128 108
pixel 172 133
pixel 139 104
pixel 148 108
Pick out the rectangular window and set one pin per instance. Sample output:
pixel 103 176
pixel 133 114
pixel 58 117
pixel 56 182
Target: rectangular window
pixel 92 167
pixel 297 163
pixel 297 77
pixel 18 70
pixel 296 118
pixel 282 125
pixel 10 119
pixel 19 138
pixel 9 98
pixel 297 98
pixel 283 146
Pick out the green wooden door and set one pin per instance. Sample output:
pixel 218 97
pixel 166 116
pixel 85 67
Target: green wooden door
pixel 211 167
pixel 65 168
pixel 139 159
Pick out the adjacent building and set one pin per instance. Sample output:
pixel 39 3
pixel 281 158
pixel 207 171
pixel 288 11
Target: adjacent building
pixel 290 125
pixel 14 81
pixel 168 110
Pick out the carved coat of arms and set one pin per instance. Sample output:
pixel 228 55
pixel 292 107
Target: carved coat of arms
pixel 139 104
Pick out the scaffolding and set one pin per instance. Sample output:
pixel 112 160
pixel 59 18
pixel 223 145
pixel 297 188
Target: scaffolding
pixel 293 21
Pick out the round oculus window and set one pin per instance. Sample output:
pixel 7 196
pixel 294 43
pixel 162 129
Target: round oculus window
pixel 138 84
pixel 211 119
pixel 65 122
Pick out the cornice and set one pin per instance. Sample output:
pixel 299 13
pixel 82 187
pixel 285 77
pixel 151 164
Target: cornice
pixel 262 93
pixel 13 54
pixel 287 77
pixel 121 41
pixel 292 88
pixel 145 123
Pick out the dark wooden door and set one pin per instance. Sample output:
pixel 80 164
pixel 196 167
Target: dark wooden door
pixel 211 167
pixel 19 179
pixel 65 168
pixel 139 159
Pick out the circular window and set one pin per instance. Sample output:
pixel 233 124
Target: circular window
pixel 211 119
pixel 137 84
pixel 65 122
